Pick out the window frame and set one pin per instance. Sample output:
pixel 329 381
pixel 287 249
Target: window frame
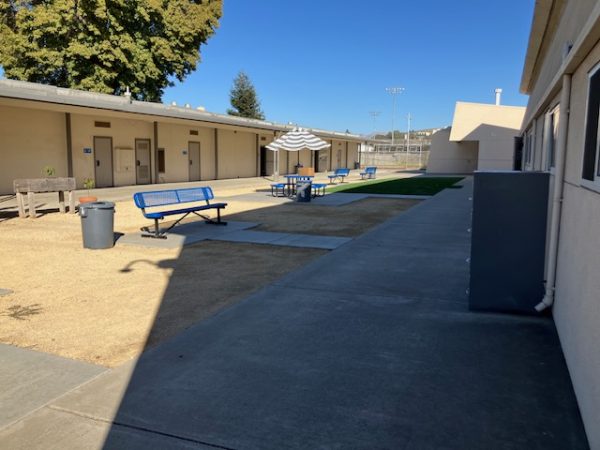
pixel 594 183
pixel 550 136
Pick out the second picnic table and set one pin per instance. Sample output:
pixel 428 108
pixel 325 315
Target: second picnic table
pixel 31 186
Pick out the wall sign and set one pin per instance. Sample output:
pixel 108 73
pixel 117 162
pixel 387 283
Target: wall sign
pixel 184 152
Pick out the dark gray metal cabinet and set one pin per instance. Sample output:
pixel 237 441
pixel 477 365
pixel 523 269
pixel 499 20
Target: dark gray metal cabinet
pixel 508 241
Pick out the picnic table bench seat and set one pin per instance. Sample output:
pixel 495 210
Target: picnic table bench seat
pixel 339 173
pixel 369 172
pixel 173 197
pixel 277 188
pixel 318 189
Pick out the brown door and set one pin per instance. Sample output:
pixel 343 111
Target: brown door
pixel 142 161
pixel 103 161
pixel 194 158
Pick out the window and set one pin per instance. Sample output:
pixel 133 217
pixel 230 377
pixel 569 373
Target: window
pixel 550 137
pixel 161 160
pixel 591 169
pixel 528 148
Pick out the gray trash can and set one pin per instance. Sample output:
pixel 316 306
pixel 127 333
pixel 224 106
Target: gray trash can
pixel 97 224
pixel 303 191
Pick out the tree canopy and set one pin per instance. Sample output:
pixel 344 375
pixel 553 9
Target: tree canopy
pixel 105 45
pixel 243 99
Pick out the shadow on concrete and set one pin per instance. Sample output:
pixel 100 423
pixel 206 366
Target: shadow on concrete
pixel 370 346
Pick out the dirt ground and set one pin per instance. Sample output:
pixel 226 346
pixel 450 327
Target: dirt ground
pixel 106 306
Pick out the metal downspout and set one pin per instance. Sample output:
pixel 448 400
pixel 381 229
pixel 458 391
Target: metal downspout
pixel 557 197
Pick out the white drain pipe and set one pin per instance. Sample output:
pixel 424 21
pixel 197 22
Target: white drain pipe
pixel 557 197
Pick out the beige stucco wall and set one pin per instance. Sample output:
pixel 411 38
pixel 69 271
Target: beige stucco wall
pixel 123 132
pixel 577 305
pixel 33 135
pixel 577 301
pixel 478 130
pixel 237 155
pixel 323 156
pixel 451 157
pixel 29 141
pixel 480 121
pixel 353 156
pixel 175 139
pixel 496 154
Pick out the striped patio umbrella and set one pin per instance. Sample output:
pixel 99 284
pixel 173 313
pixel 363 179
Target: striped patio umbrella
pixel 294 141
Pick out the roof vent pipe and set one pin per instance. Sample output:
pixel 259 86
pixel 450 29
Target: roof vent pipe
pixel 127 94
pixel 498 96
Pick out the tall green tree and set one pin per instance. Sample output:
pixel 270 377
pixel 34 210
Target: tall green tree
pixel 105 45
pixel 243 99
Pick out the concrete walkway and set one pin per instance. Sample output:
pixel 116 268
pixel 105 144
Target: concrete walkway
pixel 30 379
pixel 370 346
pixel 193 232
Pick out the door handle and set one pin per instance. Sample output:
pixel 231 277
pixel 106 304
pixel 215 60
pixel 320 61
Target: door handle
pixel 138 163
pixel 97 163
pixel 191 162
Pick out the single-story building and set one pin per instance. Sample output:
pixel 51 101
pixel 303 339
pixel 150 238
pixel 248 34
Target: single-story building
pixel 561 135
pixel 481 138
pixel 117 141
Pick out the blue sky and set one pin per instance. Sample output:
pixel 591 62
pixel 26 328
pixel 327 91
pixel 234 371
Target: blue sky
pixel 327 63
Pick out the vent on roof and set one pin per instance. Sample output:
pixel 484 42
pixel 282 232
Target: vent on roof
pixel 98 124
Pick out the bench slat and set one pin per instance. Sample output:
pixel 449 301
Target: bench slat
pixel 162 214
pixel 172 197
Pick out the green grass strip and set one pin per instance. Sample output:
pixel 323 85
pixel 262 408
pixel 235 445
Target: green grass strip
pixel 399 186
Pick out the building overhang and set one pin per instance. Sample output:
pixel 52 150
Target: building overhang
pixel 588 38
pixel 39 93
pixel 543 26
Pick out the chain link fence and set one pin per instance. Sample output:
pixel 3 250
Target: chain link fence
pixel 395 160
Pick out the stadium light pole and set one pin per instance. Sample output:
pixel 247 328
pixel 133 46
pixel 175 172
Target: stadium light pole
pixel 394 91
pixel 374 114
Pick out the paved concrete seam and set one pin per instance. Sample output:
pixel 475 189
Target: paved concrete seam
pixel 135 427
pixel 404 298
pixel 47 404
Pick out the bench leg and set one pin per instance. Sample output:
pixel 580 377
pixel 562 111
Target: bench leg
pixel 61 201
pixel 156 233
pixel 218 222
pixel 31 205
pixel 21 205
pixel 71 202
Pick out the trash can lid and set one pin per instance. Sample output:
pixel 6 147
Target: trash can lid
pixel 98 205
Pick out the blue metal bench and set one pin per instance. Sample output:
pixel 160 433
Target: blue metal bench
pixel 170 197
pixel 369 172
pixel 339 173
